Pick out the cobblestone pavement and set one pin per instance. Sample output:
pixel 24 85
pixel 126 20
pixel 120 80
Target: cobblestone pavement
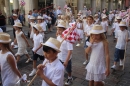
pixel 116 78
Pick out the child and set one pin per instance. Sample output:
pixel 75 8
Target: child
pixel 87 29
pixel 58 20
pixel 49 23
pixel 42 24
pixel 37 48
pixel 96 19
pixel 52 70
pixel 122 37
pixel 104 25
pixel 111 16
pixel 98 66
pixel 9 72
pixel 84 22
pixel 113 26
pixel 80 31
pixel 66 49
pixel 22 42
pixel 32 23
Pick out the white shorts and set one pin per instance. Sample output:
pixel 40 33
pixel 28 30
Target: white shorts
pixel 81 33
pixel 21 51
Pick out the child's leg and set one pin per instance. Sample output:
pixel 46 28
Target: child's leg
pixel 34 64
pixel 98 83
pixel 91 83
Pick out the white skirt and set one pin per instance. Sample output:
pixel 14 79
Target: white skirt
pixel 81 33
pixel 95 77
pixel 21 51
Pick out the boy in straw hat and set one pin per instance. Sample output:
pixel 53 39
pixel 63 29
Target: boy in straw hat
pixel 52 70
pixel 96 19
pixel 99 65
pixel 122 37
pixel 22 42
pixel 37 48
pixel 66 49
pixel 9 72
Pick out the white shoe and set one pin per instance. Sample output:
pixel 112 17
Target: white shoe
pixel 103 83
pixel 28 60
pixel 121 62
pixel 15 46
pixel 113 67
pixel 69 81
pixel 84 63
pixel 33 72
pixel 78 45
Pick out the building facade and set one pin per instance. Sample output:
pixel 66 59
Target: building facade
pixel 7 5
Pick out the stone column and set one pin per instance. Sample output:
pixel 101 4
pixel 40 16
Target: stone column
pixel 7 11
pixel 16 4
pixel 80 4
pixel 35 3
pixel 103 4
pixel 93 3
pixel 116 4
pixel 110 5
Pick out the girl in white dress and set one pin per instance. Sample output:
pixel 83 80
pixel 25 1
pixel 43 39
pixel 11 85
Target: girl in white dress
pixel 22 42
pixel 32 23
pixel 9 72
pixel 80 30
pixel 99 65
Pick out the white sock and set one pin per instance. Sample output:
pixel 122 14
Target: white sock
pixel 69 77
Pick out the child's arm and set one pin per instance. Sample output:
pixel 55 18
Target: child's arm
pixel 68 58
pixel 107 59
pixel 12 64
pixel 23 36
pixel 38 48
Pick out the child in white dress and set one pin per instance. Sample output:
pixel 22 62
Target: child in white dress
pixel 99 65
pixel 8 66
pixel 80 31
pixel 32 23
pixel 22 42
pixel 104 25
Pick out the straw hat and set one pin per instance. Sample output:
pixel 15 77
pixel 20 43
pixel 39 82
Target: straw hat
pixel 15 15
pixel 61 24
pixel 110 12
pixel 38 27
pixel 53 43
pixel 78 14
pixel 32 17
pixel 122 24
pixel 104 16
pixel 4 38
pixel 97 29
pixel 95 15
pixel 115 20
pixel 17 24
pixel 118 17
pixel 39 17
pixel 84 16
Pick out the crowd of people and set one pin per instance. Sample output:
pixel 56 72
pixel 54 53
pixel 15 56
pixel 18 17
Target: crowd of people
pixel 56 53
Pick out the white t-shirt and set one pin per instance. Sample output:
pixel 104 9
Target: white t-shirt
pixel 54 71
pixel 64 48
pixel 116 26
pixel 87 29
pixel 58 12
pixel 1 30
pixel 17 20
pixel 104 25
pixel 38 39
pixel 121 38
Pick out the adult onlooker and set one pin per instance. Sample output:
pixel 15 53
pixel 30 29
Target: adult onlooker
pixel 35 13
pixel 2 22
pixel 59 12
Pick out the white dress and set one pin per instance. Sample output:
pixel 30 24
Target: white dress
pixel 32 33
pixel 80 30
pixel 9 78
pixel 22 46
pixel 96 66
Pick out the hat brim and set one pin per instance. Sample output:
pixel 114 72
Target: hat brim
pixel 5 41
pixel 122 25
pixel 16 26
pixel 96 32
pixel 51 47
pixel 61 26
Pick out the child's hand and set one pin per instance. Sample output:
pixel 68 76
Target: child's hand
pixel 40 66
pixel 65 64
pixel 39 72
pixel 107 72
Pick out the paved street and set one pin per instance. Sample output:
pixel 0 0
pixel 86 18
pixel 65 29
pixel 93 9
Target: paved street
pixel 117 78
